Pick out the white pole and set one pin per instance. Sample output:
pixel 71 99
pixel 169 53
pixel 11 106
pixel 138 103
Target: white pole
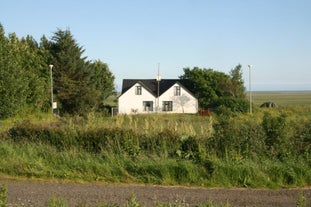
pixel 250 89
pixel 51 67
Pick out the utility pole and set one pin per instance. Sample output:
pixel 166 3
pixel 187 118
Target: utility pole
pixel 51 71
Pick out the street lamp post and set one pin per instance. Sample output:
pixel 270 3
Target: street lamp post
pixel 51 67
pixel 250 89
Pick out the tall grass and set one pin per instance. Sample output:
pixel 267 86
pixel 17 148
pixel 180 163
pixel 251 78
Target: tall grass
pixel 35 160
pixel 56 202
pixel 270 148
pixel 153 124
pixel 3 196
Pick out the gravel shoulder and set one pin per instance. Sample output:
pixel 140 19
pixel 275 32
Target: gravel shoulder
pixel 38 193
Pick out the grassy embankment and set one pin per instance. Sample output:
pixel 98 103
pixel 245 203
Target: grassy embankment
pixel 270 148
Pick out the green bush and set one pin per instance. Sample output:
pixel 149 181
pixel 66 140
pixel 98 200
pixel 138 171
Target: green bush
pixel 278 134
pixel 230 104
pixel 241 136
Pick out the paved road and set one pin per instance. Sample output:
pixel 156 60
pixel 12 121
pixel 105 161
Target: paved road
pixel 38 193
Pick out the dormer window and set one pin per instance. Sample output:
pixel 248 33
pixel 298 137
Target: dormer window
pixel 177 91
pixel 138 90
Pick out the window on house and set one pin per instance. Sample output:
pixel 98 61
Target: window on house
pixel 138 90
pixel 167 106
pixel 148 105
pixel 177 91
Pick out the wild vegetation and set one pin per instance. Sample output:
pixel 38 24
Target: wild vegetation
pixel 269 148
pixel 214 88
pixel 79 85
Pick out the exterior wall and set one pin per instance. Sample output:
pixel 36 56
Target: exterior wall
pixel 130 103
pixel 185 103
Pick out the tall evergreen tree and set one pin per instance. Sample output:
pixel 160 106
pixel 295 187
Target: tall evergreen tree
pixel 72 86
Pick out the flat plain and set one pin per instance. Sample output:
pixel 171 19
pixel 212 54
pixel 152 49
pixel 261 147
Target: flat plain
pixel 282 98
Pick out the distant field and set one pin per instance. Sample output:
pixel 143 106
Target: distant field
pixel 282 98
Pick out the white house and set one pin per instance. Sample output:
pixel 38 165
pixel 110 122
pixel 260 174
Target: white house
pixel 150 95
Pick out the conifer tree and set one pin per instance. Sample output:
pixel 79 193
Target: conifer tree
pixel 72 86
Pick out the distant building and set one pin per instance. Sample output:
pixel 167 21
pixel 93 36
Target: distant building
pixel 152 95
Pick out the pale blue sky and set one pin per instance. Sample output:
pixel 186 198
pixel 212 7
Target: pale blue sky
pixel 133 36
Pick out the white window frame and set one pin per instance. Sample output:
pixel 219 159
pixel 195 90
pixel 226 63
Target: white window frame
pixel 138 90
pixel 167 106
pixel 177 91
pixel 146 107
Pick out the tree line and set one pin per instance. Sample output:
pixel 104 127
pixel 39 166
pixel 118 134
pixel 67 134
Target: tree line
pixel 216 89
pixel 80 85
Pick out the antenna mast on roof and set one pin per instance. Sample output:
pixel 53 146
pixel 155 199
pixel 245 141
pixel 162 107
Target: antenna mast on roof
pixel 158 76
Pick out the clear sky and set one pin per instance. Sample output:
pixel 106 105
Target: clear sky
pixel 133 36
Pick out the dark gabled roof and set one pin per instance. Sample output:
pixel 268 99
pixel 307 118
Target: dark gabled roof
pixel 150 84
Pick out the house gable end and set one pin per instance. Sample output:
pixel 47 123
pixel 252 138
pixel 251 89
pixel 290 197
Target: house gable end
pixel 154 96
pixel 170 83
pixel 138 84
pixel 184 88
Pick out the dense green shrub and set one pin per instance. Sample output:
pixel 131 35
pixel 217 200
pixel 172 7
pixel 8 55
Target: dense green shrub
pixel 230 104
pixel 302 139
pixel 53 135
pixel 278 135
pixel 241 136
pixel 114 140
